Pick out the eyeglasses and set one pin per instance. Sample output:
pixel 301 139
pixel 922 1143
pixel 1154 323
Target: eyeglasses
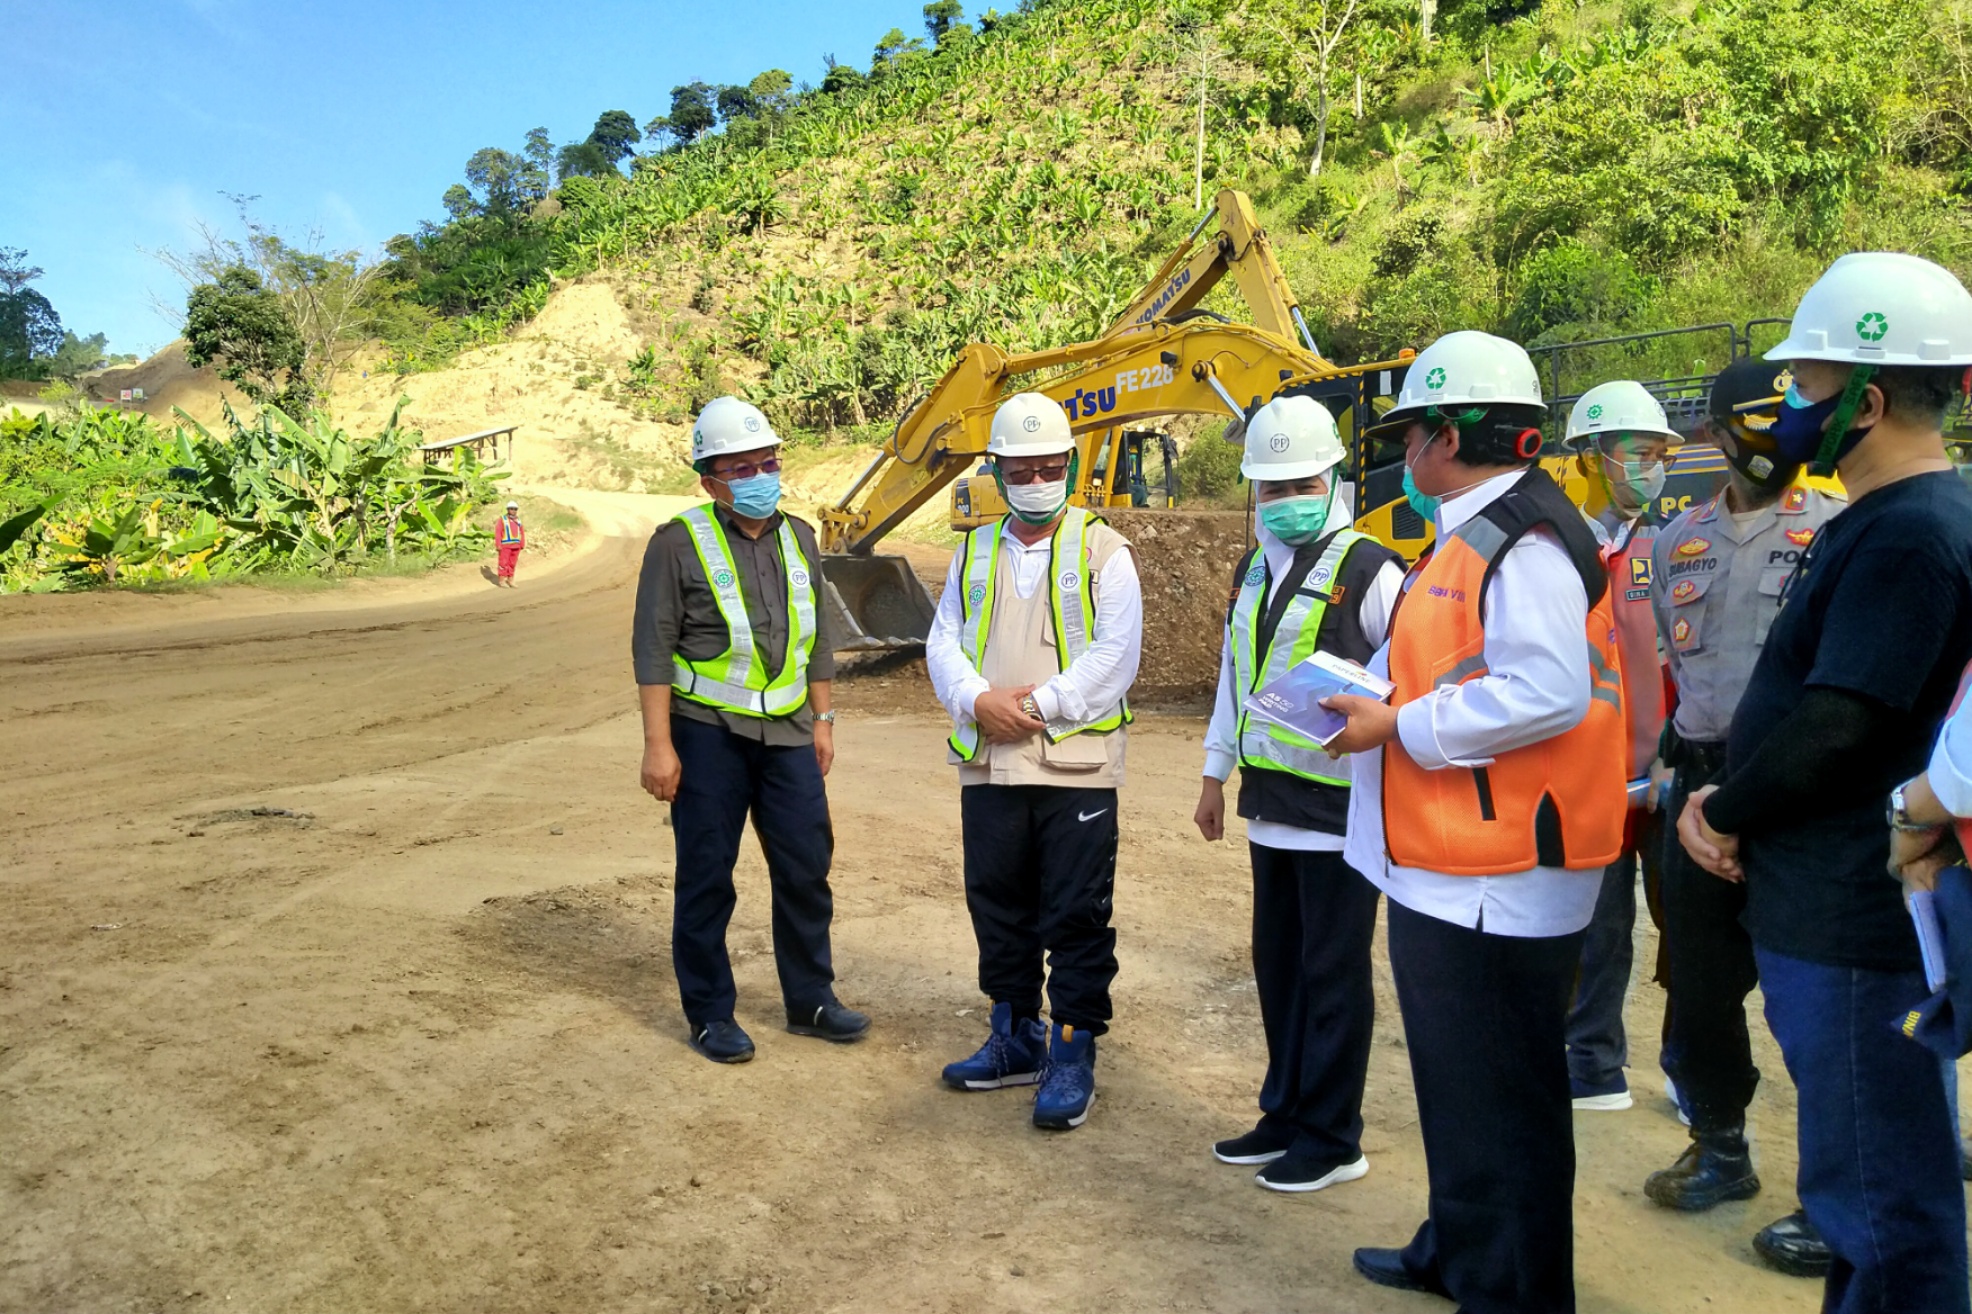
pixel 734 474
pixel 1054 472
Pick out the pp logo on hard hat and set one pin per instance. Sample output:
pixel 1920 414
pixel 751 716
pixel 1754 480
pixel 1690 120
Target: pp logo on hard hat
pixel 751 424
pixel 1032 424
pixel 1278 442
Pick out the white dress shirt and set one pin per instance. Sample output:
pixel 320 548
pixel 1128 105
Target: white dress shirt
pixel 1222 735
pixel 1536 686
pixel 1950 772
pixel 1093 682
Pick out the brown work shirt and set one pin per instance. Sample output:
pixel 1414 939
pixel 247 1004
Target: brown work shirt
pixel 678 617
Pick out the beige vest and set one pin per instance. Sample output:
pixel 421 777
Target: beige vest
pixel 1020 649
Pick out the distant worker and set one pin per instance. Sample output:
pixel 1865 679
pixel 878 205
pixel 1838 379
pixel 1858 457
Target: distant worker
pixel 1854 676
pixel 1313 584
pixel 1718 572
pixel 511 538
pixel 1488 817
pixel 1032 652
pixel 1623 440
pixel 734 660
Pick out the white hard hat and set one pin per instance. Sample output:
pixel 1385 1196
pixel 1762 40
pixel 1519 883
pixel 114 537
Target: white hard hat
pixel 1291 438
pixel 1882 308
pixel 1622 406
pixel 1029 424
pixel 728 424
pixel 513 506
pixel 1469 368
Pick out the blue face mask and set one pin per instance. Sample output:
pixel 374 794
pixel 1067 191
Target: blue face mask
pixel 757 497
pixel 1797 433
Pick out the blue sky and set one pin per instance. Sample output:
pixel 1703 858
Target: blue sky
pixel 122 121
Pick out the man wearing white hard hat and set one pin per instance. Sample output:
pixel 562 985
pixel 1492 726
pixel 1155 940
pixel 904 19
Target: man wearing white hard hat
pixel 1854 676
pixel 509 537
pixel 1622 441
pixel 1311 585
pixel 1032 651
pixel 1487 796
pixel 734 661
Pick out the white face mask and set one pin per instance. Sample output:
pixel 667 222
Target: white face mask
pixel 1038 503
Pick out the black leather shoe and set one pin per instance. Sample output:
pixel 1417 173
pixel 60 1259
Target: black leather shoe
pixel 830 1021
pixel 1386 1268
pixel 1792 1246
pixel 1714 1168
pixel 722 1041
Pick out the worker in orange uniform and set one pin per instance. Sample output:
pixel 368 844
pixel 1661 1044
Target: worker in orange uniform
pixel 511 537
pixel 1496 800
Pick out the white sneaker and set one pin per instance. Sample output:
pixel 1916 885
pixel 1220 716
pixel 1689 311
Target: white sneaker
pixel 1601 1101
pixel 1677 1105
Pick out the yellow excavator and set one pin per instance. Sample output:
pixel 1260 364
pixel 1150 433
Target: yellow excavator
pixel 1163 357
pixel 1166 356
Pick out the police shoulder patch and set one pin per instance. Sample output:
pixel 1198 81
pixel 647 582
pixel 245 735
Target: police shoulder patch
pixel 1681 632
pixel 1795 502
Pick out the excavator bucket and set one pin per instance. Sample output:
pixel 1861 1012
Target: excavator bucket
pixel 875 602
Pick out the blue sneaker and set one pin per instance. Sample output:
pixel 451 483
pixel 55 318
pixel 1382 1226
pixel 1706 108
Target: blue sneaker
pixel 1012 1056
pixel 1068 1081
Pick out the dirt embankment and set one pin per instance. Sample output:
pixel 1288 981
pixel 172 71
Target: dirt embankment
pixel 1186 559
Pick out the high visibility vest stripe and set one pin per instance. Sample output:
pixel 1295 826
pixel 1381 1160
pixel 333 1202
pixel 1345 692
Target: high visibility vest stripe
pixel 1071 609
pixel 737 680
pixel 1262 743
pixel 510 533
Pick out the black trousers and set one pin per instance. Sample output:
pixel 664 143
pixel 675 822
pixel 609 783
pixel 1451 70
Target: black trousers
pixel 1484 1018
pixel 726 778
pixel 1314 918
pixel 1709 1052
pixel 1040 875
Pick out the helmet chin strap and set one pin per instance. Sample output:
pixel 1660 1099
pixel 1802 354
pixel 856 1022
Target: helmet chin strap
pixel 1838 423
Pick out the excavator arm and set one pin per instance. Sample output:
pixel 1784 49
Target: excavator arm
pixel 1240 249
pixel 1202 367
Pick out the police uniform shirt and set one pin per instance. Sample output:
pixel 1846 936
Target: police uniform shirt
pixel 1716 591
pixel 678 616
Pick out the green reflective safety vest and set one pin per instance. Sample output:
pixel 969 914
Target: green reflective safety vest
pixel 1071 609
pixel 1262 743
pixel 737 680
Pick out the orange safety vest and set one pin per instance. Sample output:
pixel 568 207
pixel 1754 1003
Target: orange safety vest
pixel 1560 802
pixel 511 534
pixel 1636 634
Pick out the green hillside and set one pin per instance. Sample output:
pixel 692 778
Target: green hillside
pixel 1552 172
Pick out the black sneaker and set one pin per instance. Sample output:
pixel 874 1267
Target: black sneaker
pixel 1263 1144
pixel 830 1021
pixel 722 1041
pixel 1714 1168
pixel 1792 1246
pixel 1297 1172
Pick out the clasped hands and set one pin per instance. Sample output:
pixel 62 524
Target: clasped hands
pixel 999 716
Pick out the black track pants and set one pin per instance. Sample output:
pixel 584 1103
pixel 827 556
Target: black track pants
pixel 1040 873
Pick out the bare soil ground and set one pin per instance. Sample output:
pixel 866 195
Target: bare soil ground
pixel 334 977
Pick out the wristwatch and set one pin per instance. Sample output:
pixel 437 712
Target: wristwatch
pixel 1030 707
pixel 826 718
pixel 1899 812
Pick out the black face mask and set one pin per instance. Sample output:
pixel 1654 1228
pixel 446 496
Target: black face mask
pixel 1761 465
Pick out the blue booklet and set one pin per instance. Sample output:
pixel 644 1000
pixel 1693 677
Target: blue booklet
pixel 1294 700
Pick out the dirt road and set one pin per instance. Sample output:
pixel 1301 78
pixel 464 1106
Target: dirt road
pixel 412 1043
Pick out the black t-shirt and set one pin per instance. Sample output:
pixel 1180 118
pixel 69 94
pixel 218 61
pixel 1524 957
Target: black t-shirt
pixel 1881 608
